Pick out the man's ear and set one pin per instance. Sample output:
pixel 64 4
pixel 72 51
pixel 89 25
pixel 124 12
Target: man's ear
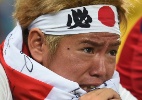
pixel 35 44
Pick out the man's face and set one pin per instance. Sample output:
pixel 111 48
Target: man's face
pixel 88 59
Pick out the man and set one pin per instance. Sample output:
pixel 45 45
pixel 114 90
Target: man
pixel 62 50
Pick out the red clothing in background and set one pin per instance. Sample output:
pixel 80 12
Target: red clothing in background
pixel 130 61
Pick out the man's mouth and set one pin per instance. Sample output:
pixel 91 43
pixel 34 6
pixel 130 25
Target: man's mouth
pixel 88 88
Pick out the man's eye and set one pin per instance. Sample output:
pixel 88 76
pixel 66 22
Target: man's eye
pixel 88 50
pixel 113 52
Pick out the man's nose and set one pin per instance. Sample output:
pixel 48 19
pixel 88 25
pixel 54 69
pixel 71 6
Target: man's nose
pixel 98 67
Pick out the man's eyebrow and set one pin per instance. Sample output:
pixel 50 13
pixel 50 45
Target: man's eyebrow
pixel 96 43
pixel 115 43
pixel 100 43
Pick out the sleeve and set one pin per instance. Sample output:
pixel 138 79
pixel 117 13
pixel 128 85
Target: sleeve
pixel 5 93
pixel 125 94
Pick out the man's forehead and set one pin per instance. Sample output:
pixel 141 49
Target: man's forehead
pixel 97 38
pixel 98 35
pixel 100 42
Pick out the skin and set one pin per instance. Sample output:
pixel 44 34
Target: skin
pixel 88 59
pixel 101 94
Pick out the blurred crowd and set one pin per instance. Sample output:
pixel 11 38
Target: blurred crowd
pixel 6 20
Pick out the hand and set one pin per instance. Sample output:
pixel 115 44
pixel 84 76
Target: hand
pixel 101 94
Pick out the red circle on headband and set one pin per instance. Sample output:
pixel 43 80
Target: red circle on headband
pixel 106 16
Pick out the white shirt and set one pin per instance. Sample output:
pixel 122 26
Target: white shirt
pixel 125 94
pixel 5 93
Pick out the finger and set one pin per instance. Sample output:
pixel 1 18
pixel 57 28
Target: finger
pixel 109 93
pixel 101 94
pixel 105 94
pixel 106 91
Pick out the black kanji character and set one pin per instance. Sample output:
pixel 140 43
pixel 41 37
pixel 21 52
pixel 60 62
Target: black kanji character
pixel 81 19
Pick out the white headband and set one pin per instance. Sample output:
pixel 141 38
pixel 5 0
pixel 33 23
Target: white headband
pixel 92 18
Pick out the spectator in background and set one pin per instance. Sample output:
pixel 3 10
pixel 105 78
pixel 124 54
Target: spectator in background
pixel 6 22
